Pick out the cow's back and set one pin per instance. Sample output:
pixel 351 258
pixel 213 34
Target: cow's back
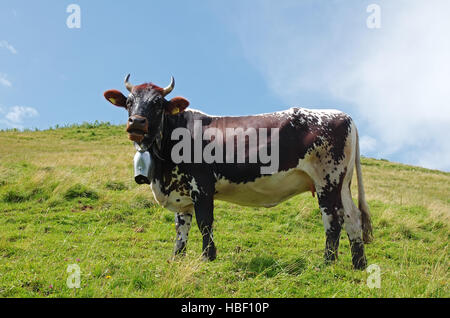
pixel 306 139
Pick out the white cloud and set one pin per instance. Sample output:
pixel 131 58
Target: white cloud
pixel 15 116
pixel 367 144
pixel 4 81
pixel 18 113
pixel 395 80
pixel 9 47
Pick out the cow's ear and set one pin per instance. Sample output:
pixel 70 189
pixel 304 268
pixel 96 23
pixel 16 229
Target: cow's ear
pixel 176 105
pixel 115 97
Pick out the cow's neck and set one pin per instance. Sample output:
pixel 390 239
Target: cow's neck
pixel 162 152
pixel 162 155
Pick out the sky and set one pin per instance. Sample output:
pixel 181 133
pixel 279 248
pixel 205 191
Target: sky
pixel 238 57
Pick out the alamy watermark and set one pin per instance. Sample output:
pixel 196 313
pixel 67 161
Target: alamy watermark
pixel 74 19
pixel 259 143
pixel 374 19
pixel 374 279
pixel 74 279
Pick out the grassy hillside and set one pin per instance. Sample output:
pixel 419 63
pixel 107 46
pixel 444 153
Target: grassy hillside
pixel 67 196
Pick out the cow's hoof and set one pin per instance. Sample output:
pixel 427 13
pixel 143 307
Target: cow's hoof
pixel 330 258
pixel 175 258
pixel 208 258
pixel 329 261
pixel 209 255
pixel 178 255
pixel 360 264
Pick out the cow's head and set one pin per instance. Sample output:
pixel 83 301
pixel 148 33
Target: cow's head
pixel 146 105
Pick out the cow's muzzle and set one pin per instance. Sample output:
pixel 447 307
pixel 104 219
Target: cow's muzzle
pixel 137 127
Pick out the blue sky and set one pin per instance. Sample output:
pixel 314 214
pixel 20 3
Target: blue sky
pixel 238 57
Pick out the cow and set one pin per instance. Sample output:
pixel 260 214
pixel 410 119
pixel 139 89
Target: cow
pixel 317 152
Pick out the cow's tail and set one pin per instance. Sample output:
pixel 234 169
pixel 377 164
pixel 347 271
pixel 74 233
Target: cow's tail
pixel 362 203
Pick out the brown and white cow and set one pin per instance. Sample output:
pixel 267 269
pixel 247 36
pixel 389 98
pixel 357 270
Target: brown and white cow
pixel 318 150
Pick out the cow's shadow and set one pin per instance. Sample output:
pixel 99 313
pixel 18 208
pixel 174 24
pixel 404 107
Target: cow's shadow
pixel 270 267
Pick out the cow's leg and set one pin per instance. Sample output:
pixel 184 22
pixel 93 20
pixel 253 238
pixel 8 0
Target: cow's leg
pixel 333 224
pixel 182 226
pixel 353 227
pixel 204 208
pixel 330 204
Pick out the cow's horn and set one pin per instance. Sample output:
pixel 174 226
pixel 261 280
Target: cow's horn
pixel 128 85
pixel 169 88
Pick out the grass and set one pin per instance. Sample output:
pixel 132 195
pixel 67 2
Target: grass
pixel 67 196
